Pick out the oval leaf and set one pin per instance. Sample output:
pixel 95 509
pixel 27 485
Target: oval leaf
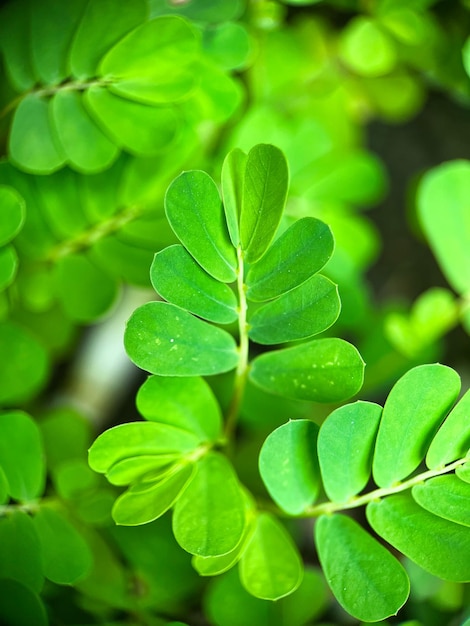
pixel 143 468
pixel 445 496
pixel 177 277
pixel 346 447
pixel 324 370
pixel 306 310
pixel 288 465
pixel 412 414
pixel 302 250
pixel 264 195
pixel 452 440
pixel 163 339
pixel 271 567
pixel 20 556
pixel 365 578
pixel 13 210
pixel 19 605
pixel 233 173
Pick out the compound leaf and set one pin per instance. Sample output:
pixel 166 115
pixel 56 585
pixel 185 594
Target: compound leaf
pixel 445 496
pixel 346 447
pixel 302 250
pixel 22 456
pixel 264 195
pixel 233 173
pixel 324 370
pixel 195 213
pixel 288 465
pixel 270 567
pixel 209 517
pixel 412 413
pixel 452 440
pixel 145 502
pixel 186 403
pixel 435 544
pixel 365 578
pixel 166 340
pixel 177 277
pixel 306 310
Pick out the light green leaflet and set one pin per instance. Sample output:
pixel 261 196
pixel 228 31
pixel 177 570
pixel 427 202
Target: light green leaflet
pixel 142 468
pixel 414 410
pixel 452 440
pixel 13 211
pixel 289 467
pixel 306 310
pixel 445 496
pixel 345 449
pixel 435 544
pixel 195 213
pixel 209 518
pixel 177 277
pixel 366 579
pixel 302 250
pixel 270 567
pixel 324 370
pixel 233 173
pixel 166 340
pixel 264 195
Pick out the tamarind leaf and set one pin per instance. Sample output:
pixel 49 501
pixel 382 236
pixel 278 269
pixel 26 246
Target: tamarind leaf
pixel 445 496
pixel 452 440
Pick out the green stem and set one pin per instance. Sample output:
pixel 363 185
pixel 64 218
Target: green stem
pixel 333 507
pixel 242 367
pixel 30 507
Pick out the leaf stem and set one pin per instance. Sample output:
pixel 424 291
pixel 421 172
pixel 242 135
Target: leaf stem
pixel 242 367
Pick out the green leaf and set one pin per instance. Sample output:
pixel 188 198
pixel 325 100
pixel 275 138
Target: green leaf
pixel 13 210
pixel 271 567
pixel 138 128
pixel 8 266
pixel 306 310
pixel 22 456
pixel 288 465
pixel 138 439
pixel 233 173
pixel 346 447
pixel 445 496
pixel 91 41
pixel 163 339
pixel 67 435
pixel 142 468
pixel 365 578
pixel 435 544
pixel 324 370
pixel 229 44
pixel 463 472
pixel 74 478
pixel 33 146
pixel 20 556
pixel 195 213
pixel 442 204
pixel 146 502
pixel 66 555
pixel 302 250
pixel 209 517
pixel 152 63
pixel 466 55
pixel 20 606
pixel 15 46
pixel 452 440
pixel 177 277
pixel 187 403
pixel 264 195
pixel 415 407
pixel 366 48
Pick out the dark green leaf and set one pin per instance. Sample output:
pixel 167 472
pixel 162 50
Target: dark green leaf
pixel 414 409
pixel 264 196
pixel 435 544
pixel 13 210
pixel 146 502
pixel 195 213
pixel 306 310
pixel 271 567
pixel 365 578
pixel 20 556
pixel 163 339
pixel 177 277
pixel 445 496
pixel 324 370
pixel 8 266
pixel 288 465
pixel 33 145
pixel 67 435
pixel 233 173
pixel 15 44
pixel 452 440
pixel 187 403
pixel 138 439
pixel 66 555
pixel 302 250
pixel 346 447
pixel 209 516
pixel 22 456
pixel 19 606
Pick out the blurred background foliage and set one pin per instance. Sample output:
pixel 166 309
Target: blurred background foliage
pixel 100 108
